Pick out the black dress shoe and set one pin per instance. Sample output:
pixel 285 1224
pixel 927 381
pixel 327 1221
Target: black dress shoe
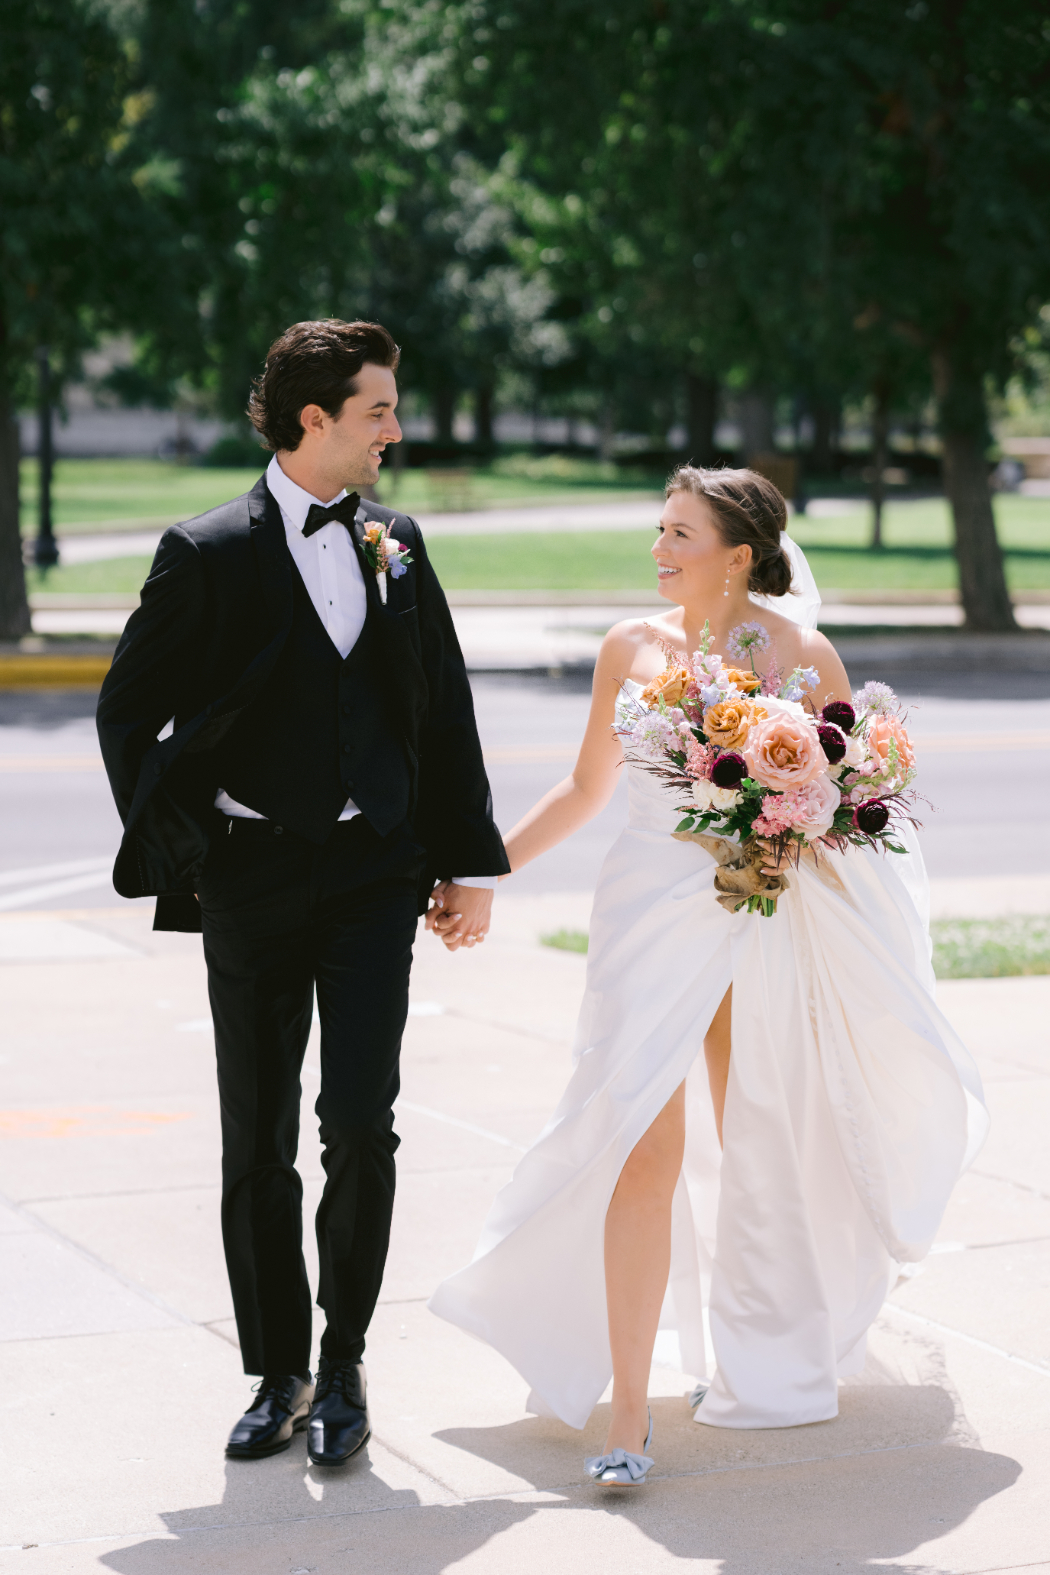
pixel 339 1424
pixel 280 1409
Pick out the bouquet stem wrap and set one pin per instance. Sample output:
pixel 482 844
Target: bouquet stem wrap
pixel 740 879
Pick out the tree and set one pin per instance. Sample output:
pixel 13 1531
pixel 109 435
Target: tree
pixel 308 158
pixel 75 249
pixel 786 175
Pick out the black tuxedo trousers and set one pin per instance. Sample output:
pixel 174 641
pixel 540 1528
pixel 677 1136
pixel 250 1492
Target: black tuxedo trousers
pixel 281 916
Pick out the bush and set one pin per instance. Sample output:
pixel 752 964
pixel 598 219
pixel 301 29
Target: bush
pixel 237 450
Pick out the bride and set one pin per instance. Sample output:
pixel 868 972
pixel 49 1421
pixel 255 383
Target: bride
pixel 839 1106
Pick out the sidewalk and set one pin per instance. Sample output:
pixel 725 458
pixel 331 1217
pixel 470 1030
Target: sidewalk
pixel 529 629
pixel 123 1378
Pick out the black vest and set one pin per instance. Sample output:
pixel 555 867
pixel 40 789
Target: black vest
pixel 322 730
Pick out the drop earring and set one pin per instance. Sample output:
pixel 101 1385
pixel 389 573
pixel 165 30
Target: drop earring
pixel 726 591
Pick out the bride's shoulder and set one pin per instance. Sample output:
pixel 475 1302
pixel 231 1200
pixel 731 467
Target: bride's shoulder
pixel 818 652
pixel 626 639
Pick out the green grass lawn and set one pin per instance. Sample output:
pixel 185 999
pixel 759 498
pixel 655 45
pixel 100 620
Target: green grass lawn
pixel 88 493
pixel 606 560
pixel 962 948
pixel 917 555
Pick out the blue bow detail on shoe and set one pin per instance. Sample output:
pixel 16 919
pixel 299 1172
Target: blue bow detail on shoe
pixel 635 1465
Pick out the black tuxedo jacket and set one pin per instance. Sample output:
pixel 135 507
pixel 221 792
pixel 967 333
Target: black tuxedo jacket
pixel 215 614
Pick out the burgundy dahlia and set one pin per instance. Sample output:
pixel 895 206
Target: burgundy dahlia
pixel 840 714
pixel 729 770
pixel 871 816
pixel 831 742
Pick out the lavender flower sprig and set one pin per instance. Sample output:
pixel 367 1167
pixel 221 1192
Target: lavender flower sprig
pixel 876 698
pixel 747 639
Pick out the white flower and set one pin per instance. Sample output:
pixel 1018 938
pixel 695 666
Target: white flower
pixel 707 796
pixel 772 704
pixel 856 752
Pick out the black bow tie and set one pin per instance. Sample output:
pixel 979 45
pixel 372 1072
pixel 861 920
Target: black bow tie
pixel 344 511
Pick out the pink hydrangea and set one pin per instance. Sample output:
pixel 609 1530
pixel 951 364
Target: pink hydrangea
pixel 780 813
pixel 809 809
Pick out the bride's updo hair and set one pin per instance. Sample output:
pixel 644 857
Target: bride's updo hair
pixel 749 511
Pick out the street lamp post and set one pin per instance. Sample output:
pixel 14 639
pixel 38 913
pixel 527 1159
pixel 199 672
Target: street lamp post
pixel 45 548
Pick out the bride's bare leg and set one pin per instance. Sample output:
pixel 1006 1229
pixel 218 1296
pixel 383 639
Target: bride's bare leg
pixel 717 1046
pixel 637 1262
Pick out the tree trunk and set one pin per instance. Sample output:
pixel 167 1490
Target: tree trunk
pixel 444 405
pixel 15 620
pixel 483 434
pixel 880 449
pixel 607 431
pixel 756 424
pixel 964 436
pixel 825 433
pixel 701 416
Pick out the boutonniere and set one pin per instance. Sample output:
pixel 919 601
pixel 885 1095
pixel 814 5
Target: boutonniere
pixel 385 554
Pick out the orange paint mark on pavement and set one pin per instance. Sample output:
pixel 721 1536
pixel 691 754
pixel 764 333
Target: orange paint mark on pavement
pixel 84 1121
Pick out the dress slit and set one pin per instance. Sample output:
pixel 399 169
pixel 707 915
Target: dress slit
pixel 851 1109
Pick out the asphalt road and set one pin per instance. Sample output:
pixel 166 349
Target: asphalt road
pixel 984 771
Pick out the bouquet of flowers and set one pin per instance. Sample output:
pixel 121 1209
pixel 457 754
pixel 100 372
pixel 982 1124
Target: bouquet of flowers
pixel 759 773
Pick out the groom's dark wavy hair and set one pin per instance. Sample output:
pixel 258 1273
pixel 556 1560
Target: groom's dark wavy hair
pixel 314 364
pixel 749 511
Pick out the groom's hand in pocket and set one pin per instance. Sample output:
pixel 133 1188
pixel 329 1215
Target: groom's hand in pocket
pixel 459 915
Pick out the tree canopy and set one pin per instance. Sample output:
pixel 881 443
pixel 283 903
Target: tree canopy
pixel 631 205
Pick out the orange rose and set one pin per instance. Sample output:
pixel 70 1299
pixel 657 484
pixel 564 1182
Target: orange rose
pixel 727 724
pixel 672 684
pixel 883 730
pixel 784 752
pixel 750 683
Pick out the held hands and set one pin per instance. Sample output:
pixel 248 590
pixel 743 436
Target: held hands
pixel 459 915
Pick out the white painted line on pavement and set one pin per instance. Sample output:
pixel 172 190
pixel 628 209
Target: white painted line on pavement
pixel 48 871
pixel 465 1126
pixel 55 888
pixel 971 1339
pixel 439 1115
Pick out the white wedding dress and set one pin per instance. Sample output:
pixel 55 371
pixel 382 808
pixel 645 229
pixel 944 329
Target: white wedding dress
pixel 851 1110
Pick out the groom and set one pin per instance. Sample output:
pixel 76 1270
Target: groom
pixel 322 772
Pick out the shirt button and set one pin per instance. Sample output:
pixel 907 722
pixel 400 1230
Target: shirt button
pixel 157 770
pixel 346 710
pixel 278 831
pixel 346 751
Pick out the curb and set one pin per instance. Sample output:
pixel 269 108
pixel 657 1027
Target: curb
pixel 51 670
pixel 127 601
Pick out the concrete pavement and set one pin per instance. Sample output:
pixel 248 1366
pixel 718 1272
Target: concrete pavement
pixel 122 1374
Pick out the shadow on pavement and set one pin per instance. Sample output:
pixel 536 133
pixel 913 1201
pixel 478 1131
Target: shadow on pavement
pixel 281 1514
pixel 895 1471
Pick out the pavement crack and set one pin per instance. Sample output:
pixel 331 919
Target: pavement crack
pixel 96 1262
pixel 1009 1181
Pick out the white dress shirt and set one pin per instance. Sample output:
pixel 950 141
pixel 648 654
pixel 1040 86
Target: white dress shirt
pixel 331 572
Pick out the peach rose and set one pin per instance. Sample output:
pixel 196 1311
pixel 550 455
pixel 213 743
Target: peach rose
pixel 882 730
pixel 820 799
pixel 784 752
pixel 672 684
pixel 727 724
pixel 750 683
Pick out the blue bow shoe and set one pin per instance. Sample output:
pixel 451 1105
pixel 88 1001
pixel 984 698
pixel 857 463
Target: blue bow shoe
pixel 620 1465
